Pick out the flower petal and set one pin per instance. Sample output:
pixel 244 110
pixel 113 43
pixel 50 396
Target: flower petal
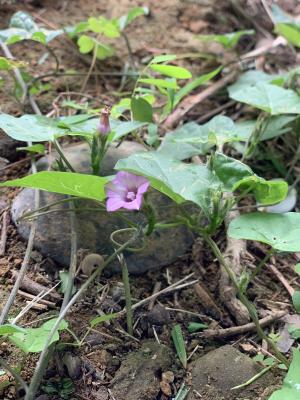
pixel 143 187
pixel 113 204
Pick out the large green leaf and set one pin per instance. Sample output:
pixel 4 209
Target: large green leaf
pixel 281 231
pixel 31 128
pixel 228 40
pixel 73 184
pixel 275 126
pixel 191 139
pixel 33 340
pixel 270 98
pixel 35 128
pixel 180 181
pixel 174 144
pixel 291 385
pixel 250 78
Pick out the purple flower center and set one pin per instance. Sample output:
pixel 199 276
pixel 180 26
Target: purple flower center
pixel 131 196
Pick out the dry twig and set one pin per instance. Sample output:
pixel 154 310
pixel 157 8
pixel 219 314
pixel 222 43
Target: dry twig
pixel 238 330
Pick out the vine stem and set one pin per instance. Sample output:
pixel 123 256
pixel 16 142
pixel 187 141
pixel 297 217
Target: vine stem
pixel 38 373
pixel 26 259
pixel 61 154
pixel 250 307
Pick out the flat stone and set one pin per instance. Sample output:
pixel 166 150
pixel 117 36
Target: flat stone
pixel 94 228
pixel 215 374
pixel 139 374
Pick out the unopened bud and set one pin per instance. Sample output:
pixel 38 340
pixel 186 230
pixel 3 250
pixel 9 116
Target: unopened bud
pixel 104 127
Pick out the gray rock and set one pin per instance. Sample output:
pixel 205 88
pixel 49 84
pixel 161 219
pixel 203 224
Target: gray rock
pixel 139 374
pixel 94 228
pixel 8 147
pixel 215 374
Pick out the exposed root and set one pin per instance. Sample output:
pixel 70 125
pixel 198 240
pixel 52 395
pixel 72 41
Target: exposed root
pixel 235 249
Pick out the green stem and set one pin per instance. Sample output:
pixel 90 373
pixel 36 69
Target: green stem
pixel 254 378
pixel 61 154
pixel 261 264
pixel 250 307
pixel 128 299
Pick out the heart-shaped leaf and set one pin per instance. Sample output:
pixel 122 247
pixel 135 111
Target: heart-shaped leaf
pixel 270 98
pixel 281 231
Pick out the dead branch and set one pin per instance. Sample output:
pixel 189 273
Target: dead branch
pixel 242 329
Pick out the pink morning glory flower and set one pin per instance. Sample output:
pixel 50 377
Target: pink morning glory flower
pixel 126 190
pixel 103 126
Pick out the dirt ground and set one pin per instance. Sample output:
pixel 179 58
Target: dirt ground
pixel 170 28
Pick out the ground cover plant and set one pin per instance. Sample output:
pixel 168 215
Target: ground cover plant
pixel 226 181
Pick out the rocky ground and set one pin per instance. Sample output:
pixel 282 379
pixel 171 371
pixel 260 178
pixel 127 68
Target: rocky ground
pixel 111 364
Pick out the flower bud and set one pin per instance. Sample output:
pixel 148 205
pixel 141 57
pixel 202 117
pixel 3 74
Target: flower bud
pixel 103 126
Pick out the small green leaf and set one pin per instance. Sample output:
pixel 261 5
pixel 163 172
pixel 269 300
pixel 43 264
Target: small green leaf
pixel 104 51
pixel 160 83
pixel 171 71
pixel 86 44
pixel 125 20
pixel 196 326
pixel 228 40
pixel 79 185
pixel 7 64
pixel 163 58
pixel 35 148
pixel 179 344
pixel 64 277
pixel 39 37
pixel 290 32
pixel 141 110
pixel 102 318
pixel 296 300
pixel 281 231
